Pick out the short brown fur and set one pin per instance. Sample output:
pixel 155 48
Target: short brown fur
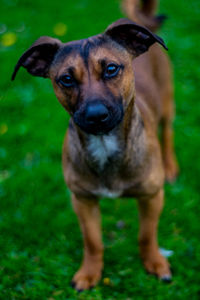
pixel 139 163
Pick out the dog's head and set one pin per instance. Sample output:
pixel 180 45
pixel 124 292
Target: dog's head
pixel 93 78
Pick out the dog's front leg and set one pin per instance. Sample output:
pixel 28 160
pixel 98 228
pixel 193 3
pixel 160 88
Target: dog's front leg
pixel 149 211
pixel 88 213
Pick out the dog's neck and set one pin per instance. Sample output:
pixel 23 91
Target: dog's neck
pixel 104 151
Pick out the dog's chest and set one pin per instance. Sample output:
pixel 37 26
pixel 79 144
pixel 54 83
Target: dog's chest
pixel 101 149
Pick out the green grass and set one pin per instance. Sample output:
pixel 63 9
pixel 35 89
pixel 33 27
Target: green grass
pixel 39 235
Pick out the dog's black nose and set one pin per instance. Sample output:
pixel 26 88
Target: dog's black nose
pixel 96 113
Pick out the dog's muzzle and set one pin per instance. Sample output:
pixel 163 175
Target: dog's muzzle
pixel 97 118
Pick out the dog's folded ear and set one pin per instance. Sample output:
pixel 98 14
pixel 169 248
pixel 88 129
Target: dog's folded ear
pixel 135 38
pixel 38 58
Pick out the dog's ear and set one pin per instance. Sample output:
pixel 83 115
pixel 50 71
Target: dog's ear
pixel 135 38
pixel 38 58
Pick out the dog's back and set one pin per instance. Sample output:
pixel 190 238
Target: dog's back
pixel 152 69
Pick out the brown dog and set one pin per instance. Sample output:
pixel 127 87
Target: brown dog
pixel 116 102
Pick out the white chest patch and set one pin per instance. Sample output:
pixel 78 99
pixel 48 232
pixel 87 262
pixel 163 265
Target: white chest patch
pixel 102 147
pixel 104 192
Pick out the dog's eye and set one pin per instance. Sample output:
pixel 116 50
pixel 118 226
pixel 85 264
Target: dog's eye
pixel 67 80
pixel 111 71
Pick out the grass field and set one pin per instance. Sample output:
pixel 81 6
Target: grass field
pixel 40 241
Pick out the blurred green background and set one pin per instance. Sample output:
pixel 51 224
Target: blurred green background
pixel 40 241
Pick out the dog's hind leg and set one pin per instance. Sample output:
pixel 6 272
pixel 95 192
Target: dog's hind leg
pixel 167 136
pixel 163 76
pixel 88 213
pixel 169 159
pixel 149 212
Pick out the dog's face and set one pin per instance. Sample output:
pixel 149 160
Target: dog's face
pixel 93 78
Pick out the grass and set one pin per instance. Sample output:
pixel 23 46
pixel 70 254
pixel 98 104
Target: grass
pixel 39 235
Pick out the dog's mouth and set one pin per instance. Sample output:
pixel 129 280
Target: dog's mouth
pixel 97 119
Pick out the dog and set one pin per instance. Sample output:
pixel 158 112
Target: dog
pixel 117 88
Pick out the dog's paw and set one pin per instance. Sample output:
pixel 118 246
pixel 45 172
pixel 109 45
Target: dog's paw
pixel 84 280
pixel 159 266
pixel 171 170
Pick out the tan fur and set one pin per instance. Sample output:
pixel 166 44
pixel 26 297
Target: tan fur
pixel 128 160
pixel 141 172
pixel 142 12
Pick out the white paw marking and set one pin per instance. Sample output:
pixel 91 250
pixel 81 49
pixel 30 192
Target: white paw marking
pixel 165 252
